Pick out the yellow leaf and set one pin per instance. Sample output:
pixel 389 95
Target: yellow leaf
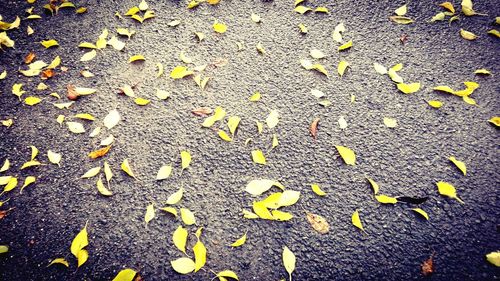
pixel 468 35
pixel 401 11
pixel 448 6
pixel 438 17
pixel 289 261
pixel 59 261
pixel 374 185
pixel 240 241
pixel 249 215
pixel 260 48
pixel 260 127
pixel 232 124
pixel 271 201
pixel 200 255
pixel 445 89
pixel 81 10
pixel 55 63
pixel 75 127
pixel 125 32
pixel 347 155
pixel 29 180
pixel 213 2
pixel 136 58
pixel 261 210
pixel 34 152
pixel 80 241
pixel 275 141
pixel 164 172
pixel 322 10
pixel 126 168
pixel 219 27
pixel 5 180
pixel 150 213
pixel 320 68
pixel 356 221
pixel 5 166
pixel 302 9
pixel 257 187
pixel 317 189
pixel 143 6
pixel 32 100
pixel 272 119
pixel 30 164
pixel 85 116
pixel 91 173
pixel 384 199
pixel 87 45
pixel 17 90
pixel 3 75
pixel 303 28
pixel 82 257
pixel 175 197
pixel 460 165
pixel 494 32
pixel 4 249
pixel 448 190
pixel 223 135
pixel 390 122
pixel 125 275
pixel 342 67
pixel 161 94
pixel 132 11
pixel 49 43
pixel 401 19
pixel 183 265
pixel 345 46
pixel 380 69
pixel 170 210
pixel 467 8
pixel 11 184
pixel 102 189
pixel 421 212
pixel 494 258
pixel 228 274
pixel 408 88
pixel 255 18
pixel 88 56
pixel 187 216
pixel 288 198
pixel 482 71
pixel 281 216
pixel 180 72
pixel 141 101
pixel 435 103
pixel 258 157
pixel 495 121
pixel 180 238
pixel 185 159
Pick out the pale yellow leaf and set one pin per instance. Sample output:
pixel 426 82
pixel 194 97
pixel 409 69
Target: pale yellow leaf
pixel 272 119
pixel 164 172
pixel 494 258
pixel 175 197
pixel 170 210
pixel 289 261
pixel 347 155
pixel 112 119
pixel 258 157
pixel 374 185
pixel 390 122
pixel 187 216
pixel 91 173
pixel 342 67
pixel 183 265
pixel 102 189
pixel 75 127
pixel 288 198
pixel 257 187
pixel 54 158
pixel 185 159
pixel 401 11
pixel 468 35
pixel 88 56
pixel 380 69
pixel 127 169
pixel 302 9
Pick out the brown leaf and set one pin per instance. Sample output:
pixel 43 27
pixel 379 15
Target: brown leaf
pixel 100 152
pixel 72 94
pixel 403 38
pixel 314 128
pixel 29 58
pixel 4 213
pixel 318 222
pixel 202 111
pixel 48 73
pixel 428 266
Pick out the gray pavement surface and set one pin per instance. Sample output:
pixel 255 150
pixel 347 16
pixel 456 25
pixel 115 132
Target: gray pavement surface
pixel 405 161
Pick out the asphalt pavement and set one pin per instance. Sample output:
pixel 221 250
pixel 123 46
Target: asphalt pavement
pixel 407 160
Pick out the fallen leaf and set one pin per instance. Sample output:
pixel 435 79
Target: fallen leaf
pixel 289 261
pixel 302 9
pixel 200 254
pixel 240 241
pixel 219 27
pixel 408 88
pixel 272 119
pixel 468 35
pixel 448 6
pixel 180 72
pixel 32 101
pixel 401 19
pixel 495 121
pixel 356 221
pixel 112 119
pixel 421 212
pixel 170 210
pixel 317 54
pixel 494 258
pixel 384 199
pixel 54 158
pixel 401 11
pixel 125 275
pixel 314 128
pixel 374 186
pixel 135 58
pixel 228 274
pixel 380 69
pixel 91 173
pixel 102 189
pixel 185 159
pixel 59 261
pixel 435 103
pixel 187 216
pixel 342 67
pixel 175 197
pixel 482 71
pixel 10 185
pixel 88 56
pixel 4 249
pixel 257 187
pixel 390 122
pixel 164 172
pixel 223 135
pixel 345 46
pixel 75 127
pixel 183 265
pixel 79 242
pixel 303 28
pixel 49 43
pixel 288 198
pixel 126 168
pixel 427 266
pixel 258 157
pixel 460 165
pixel 318 222
pixel 347 155
pixel 448 190
pixel 100 152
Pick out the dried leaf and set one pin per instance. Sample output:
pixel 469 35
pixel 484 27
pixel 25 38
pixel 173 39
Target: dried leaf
pixel 347 155
pixel 460 165
pixel 448 190
pixel 100 152
pixel 427 267
pixel 318 222
pixel 401 19
pixel 314 128
pixel 448 6
pixel 289 261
